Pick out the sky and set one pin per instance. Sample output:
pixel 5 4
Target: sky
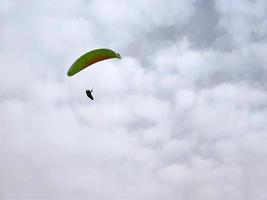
pixel 181 116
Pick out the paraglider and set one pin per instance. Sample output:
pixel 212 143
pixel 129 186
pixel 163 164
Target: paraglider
pixel 89 59
pixel 89 94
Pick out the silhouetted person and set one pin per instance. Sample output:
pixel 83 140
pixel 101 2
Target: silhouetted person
pixel 89 94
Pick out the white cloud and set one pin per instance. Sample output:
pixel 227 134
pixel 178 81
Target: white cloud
pixel 182 115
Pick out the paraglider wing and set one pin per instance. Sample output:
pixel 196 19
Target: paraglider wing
pixel 90 58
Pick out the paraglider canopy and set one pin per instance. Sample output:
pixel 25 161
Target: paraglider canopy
pixel 90 58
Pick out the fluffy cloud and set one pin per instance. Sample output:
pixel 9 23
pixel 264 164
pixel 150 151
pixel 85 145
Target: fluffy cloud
pixel 181 116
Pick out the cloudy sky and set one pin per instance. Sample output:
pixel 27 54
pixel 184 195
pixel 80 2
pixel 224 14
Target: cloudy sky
pixel 181 116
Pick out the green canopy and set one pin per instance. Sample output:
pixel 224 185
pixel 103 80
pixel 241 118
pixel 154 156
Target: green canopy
pixel 90 58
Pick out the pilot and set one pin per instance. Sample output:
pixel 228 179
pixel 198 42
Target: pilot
pixel 89 94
